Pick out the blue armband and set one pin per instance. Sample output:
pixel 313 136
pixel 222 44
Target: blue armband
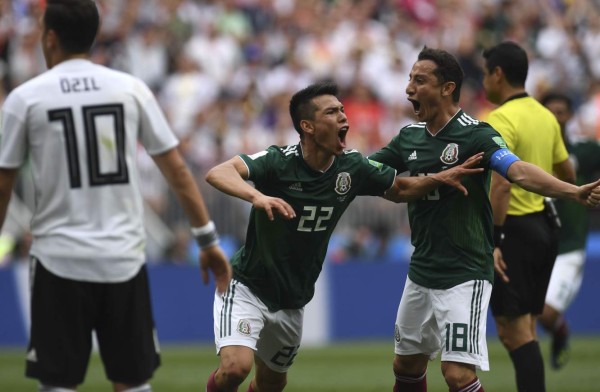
pixel 501 160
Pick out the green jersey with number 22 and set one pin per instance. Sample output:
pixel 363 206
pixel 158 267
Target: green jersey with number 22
pixel 281 259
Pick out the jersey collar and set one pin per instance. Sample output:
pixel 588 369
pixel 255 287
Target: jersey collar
pixel 445 125
pixel 516 96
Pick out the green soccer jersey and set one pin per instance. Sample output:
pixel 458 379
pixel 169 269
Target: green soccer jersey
pixel 281 259
pixel 574 217
pixel 451 233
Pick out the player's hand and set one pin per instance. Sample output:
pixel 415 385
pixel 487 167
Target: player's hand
pixel 274 205
pixel 214 259
pixel 589 194
pixel 454 175
pixel 500 266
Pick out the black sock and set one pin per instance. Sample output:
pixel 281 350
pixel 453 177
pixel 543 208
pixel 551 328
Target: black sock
pixel 529 367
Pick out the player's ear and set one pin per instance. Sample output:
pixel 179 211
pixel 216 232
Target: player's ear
pixel 448 88
pixel 51 39
pixel 307 126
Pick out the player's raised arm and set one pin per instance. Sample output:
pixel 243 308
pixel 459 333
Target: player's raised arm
pixel 407 189
pixel 534 179
pixel 230 177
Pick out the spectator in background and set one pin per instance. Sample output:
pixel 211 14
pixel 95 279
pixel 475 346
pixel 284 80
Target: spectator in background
pixel 372 42
pixel 567 273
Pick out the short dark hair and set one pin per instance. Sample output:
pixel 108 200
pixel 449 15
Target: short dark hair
pixel 448 69
pixel 301 105
pixel 75 22
pixel 556 96
pixel 511 58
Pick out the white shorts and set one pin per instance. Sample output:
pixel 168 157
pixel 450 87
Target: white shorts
pixel 452 321
pixel 565 281
pixel 241 319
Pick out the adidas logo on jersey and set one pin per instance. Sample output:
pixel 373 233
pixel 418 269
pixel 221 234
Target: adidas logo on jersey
pixel 413 156
pixel 296 186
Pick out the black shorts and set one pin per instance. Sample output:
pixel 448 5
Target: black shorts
pixel 529 249
pixel 63 314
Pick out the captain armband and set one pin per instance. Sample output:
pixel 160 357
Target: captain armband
pixel 501 160
pixel 206 236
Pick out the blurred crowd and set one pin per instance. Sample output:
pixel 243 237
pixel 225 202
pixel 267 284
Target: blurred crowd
pixel 224 71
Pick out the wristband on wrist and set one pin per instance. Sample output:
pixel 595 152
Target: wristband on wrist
pixel 498 236
pixel 206 235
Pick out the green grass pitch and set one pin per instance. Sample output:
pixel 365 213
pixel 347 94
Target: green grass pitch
pixel 361 366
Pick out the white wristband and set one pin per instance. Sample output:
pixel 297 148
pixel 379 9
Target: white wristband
pixel 206 235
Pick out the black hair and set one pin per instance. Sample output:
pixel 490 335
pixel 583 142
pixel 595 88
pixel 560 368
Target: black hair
pixel 511 58
pixel 556 96
pixel 301 104
pixel 75 22
pixel 448 69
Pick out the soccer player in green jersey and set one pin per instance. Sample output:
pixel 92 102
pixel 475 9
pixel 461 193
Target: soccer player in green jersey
pixel 567 273
pixel 299 194
pixel 446 295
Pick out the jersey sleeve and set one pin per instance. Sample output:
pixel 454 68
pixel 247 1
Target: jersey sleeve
pixel 390 155
pixel 487 140
pixel 155 133
pixel 259 164
pixel 504 127
pixel 560 150
pixel 378 177
pixel 13 135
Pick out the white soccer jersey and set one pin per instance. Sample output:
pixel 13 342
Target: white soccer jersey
pixel 79 124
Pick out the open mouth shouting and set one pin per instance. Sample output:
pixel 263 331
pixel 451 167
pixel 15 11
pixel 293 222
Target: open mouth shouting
pixel 416 106
pixel 342 135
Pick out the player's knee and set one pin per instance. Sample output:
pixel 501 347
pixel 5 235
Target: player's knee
pixel 233 372
pixel 410 365
pixel 457 375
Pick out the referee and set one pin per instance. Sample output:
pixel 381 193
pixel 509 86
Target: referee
pixel 525 232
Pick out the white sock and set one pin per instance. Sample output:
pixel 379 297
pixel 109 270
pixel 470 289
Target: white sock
pixel 141 388
pixel 48 388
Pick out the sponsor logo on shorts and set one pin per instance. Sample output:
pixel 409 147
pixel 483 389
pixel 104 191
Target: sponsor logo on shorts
pixel 397 334
pixel 244 327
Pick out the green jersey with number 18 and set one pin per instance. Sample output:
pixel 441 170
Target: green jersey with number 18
pixel 451 233
pixel 281 259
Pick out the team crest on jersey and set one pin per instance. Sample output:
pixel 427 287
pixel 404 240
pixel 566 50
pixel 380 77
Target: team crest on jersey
pixel 342 183
pixel 450 154
pixel 244 327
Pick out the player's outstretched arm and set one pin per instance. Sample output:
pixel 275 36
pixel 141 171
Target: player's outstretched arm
pixel 532 178
pixel 184 186
pixel 230 177
pixel 413 188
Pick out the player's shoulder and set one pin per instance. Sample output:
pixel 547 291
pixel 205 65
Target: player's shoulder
pixel 411 128
pixel 285 152
pixel 32 85
pixel 276 152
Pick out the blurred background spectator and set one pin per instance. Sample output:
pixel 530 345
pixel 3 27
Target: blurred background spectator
pixel 224 72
